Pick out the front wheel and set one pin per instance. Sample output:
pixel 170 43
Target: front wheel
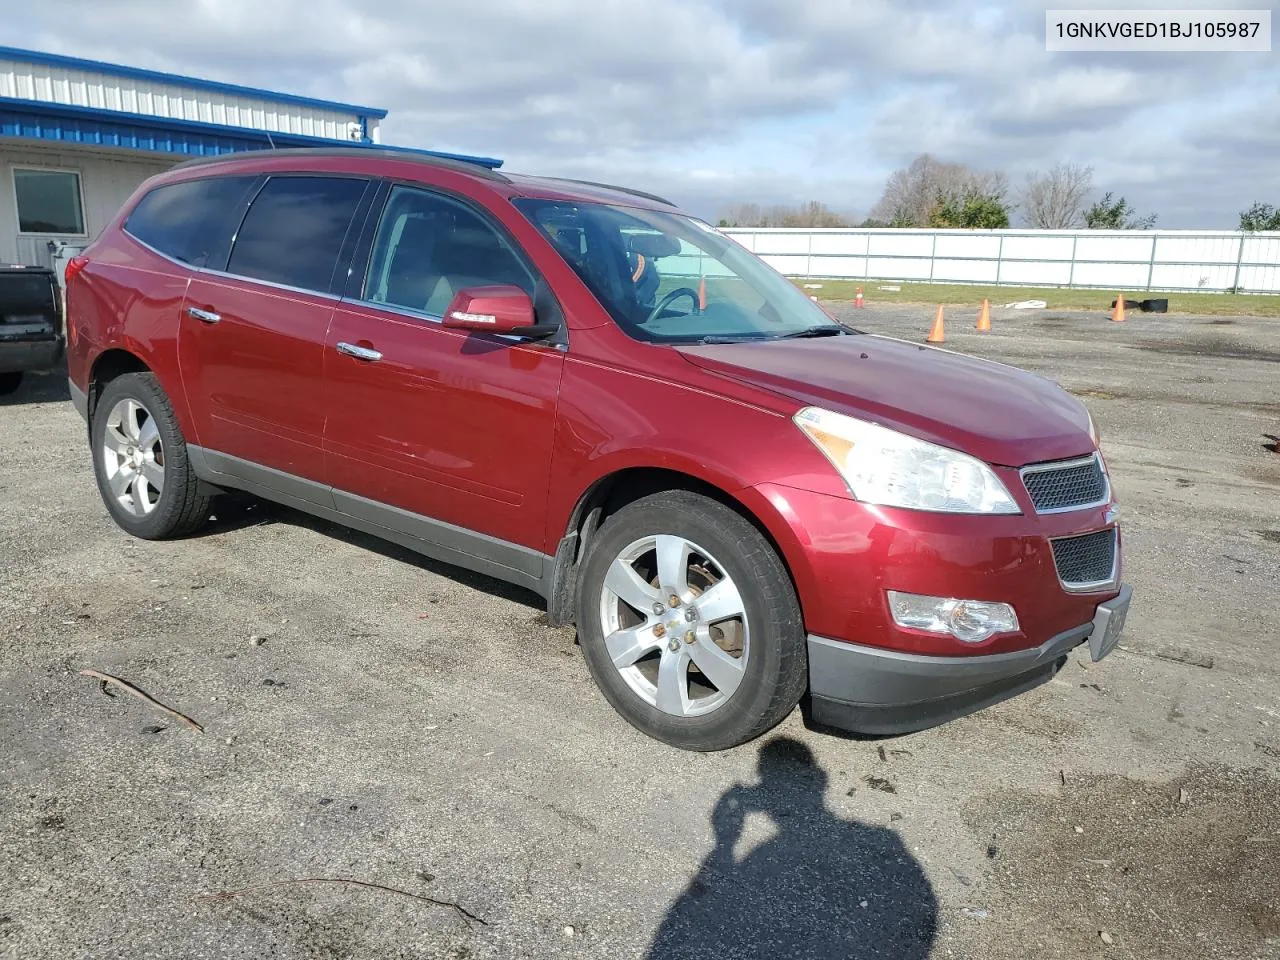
pixel 690 623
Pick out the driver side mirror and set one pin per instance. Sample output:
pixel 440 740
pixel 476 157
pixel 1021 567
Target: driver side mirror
pixel 502 309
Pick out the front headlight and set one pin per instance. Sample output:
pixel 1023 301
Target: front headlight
pixel 892 469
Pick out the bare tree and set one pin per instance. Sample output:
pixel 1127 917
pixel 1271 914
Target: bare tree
pixel 1054 200
pixel 912 194
pixel 814 214
pixel 811 214
pixel 742 215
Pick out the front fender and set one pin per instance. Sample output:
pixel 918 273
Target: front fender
pixel 611 420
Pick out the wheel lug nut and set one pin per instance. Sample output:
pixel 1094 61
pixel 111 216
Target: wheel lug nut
pixel 673 601
pixel 658 609
pixel 674 645
pixel 690 637
pixel 659 630
pixel 690 614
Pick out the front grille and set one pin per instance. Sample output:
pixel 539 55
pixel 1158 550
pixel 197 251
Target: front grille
pixel 1090 559
pixel 1068 485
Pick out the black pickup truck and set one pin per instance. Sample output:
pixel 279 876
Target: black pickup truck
pixel 30 323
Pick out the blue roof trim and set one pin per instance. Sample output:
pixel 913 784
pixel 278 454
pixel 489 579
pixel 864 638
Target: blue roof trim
pixel 38 120
pixel 100 66
pixel 35 120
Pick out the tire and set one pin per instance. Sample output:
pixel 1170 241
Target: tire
pixel 140 461
pixel 757 663
pixel 10 382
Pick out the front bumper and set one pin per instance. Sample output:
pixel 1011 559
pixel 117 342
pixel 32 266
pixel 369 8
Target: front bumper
pixel 23 355
pixel 874 690
pixel 846 555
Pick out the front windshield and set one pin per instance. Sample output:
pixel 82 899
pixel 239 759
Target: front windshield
pixel 667 278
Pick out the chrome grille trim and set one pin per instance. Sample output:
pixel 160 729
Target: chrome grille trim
pixel 1062 465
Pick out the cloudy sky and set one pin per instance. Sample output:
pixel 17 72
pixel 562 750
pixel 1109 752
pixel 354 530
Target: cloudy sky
pixel 716 101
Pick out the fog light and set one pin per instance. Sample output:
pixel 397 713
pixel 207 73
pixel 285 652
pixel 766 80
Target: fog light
pixel 969 620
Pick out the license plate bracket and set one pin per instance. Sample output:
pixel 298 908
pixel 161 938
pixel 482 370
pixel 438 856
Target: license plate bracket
pixel 1108 622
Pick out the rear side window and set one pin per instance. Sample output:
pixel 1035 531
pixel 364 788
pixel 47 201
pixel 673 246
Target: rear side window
pixel 189 221
pixel 294 230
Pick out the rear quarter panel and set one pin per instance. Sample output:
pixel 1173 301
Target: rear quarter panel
pixel 128 298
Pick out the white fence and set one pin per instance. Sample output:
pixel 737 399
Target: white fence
pixel 1200 260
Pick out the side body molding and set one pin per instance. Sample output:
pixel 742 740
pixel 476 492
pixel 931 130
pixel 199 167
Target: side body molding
pixel 432 538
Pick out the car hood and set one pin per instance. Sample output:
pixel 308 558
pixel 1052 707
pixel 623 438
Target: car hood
pixel 995 412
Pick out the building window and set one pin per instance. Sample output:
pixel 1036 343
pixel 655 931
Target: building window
pixel 48 202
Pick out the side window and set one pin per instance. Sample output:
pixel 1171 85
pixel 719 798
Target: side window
pixel 294 230
pixel 189 220
pixel 429 247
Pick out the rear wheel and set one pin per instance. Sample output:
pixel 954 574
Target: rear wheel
pixel 689 622
pixel 10 381
pixel 140 461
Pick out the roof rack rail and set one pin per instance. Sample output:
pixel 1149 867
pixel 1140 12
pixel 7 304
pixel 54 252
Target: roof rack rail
pixel 613 186
pixel 479 167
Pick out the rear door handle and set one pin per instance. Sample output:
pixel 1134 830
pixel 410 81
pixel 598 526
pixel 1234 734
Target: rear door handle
pixel 360 353
pixel 205 316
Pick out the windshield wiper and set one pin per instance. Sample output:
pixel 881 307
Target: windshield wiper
pixel 727 338
pixel 825 330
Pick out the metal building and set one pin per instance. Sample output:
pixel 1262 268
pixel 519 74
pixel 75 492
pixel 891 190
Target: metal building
pixel 78 136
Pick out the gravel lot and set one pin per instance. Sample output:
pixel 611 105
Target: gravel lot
pixel 413 726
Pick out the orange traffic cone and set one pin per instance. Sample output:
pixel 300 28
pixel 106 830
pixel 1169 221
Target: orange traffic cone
pixel 936 335
pixel 1117 315
pixel 984 316
pixel 857 301
pixel 702 293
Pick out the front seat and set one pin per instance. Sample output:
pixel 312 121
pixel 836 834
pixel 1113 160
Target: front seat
pixel 412 274
pixel 473 258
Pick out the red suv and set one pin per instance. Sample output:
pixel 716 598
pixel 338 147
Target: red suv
pixel 579 389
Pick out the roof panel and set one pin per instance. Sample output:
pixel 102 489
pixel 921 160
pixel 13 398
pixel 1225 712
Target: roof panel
pixel 168 100
pixel 556 188
pixel 155 76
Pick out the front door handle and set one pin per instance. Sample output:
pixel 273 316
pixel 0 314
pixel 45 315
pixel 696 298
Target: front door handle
pixel 360 353
pixel 206 316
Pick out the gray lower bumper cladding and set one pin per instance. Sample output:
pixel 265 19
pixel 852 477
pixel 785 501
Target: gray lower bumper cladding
pixel 875 691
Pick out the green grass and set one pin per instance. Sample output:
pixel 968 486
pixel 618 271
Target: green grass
pixel 1214 304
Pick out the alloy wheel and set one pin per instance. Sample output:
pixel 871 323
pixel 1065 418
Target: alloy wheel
pixel 675 625
pixel 133 457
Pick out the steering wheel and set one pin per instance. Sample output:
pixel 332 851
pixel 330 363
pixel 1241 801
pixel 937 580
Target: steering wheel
pixel 675 294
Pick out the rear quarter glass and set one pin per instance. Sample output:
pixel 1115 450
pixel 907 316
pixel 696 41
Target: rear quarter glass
pixel 193 220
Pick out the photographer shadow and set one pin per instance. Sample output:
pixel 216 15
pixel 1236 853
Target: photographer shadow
pixel 823 887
